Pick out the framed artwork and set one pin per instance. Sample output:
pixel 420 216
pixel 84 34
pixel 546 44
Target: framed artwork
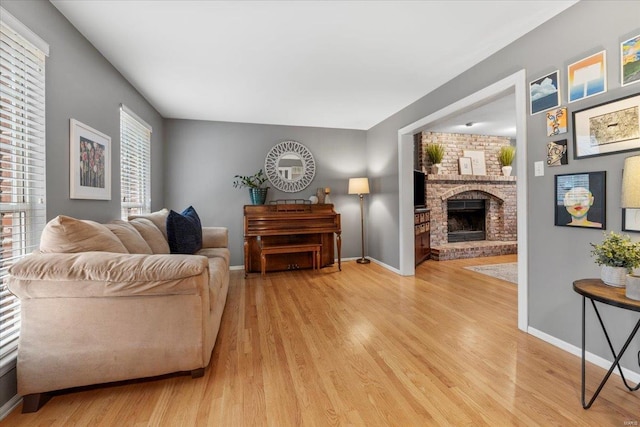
pixel 464 164
pixel 557 121
pixel 580 200
pixel 587 77
pixel 90 162
pixel 478 166
pixel 630 61
pixel 544 93
pixel 557 153
pixel 608 128
pixel 631 220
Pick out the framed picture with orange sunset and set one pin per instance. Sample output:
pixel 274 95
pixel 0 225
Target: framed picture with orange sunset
pixel 587 77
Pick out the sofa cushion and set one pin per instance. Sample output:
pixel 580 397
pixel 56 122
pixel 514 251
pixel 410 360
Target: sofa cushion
pixel 64 234
pixel 159 218
pixel 184 231
pixel 151 234
pixel 129 236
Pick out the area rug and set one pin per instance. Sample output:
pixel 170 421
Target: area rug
pixel 507 271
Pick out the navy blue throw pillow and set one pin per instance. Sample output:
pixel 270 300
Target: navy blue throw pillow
pixel 184 231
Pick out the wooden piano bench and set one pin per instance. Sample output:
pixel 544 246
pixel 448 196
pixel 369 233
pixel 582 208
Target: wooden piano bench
pixel 315 248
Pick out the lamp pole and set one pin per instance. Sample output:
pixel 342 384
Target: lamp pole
pixel 362 260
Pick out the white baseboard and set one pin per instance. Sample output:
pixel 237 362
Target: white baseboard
pixel 388 267
pixel 8 407
pixel 577 351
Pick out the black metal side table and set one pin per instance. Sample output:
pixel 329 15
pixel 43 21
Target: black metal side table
pixel 596 290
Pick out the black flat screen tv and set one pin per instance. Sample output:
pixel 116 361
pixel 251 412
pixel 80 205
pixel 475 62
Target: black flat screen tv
pixel 419 197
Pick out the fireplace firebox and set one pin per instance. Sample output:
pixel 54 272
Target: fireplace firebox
pixel 466 220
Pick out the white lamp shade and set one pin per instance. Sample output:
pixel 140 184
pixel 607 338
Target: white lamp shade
pixel 631 183
pixel 358 185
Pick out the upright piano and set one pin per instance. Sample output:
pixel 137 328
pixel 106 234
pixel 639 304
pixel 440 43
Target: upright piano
pixel 290 224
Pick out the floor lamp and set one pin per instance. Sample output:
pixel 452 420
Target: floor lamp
pixel 360 186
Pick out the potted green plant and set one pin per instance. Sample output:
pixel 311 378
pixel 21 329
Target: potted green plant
pixel 618 256
pixel 256 185
pixel 505 156
pixel 435 152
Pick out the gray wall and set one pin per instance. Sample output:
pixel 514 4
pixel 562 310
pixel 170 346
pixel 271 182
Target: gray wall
pixel 557 255
pixel 203 157
pixel 81 84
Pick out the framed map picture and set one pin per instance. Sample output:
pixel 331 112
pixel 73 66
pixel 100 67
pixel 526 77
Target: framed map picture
pixel 608 128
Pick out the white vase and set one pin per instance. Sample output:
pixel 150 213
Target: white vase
pixel 614 276
pixel 506 170
pixel 435 168
pixel 633 287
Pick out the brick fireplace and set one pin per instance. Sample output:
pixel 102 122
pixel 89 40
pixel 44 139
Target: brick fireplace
pixel 500 216
pixel 493 194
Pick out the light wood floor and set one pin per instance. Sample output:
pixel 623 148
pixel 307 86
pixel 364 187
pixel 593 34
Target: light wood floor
pixel 363 347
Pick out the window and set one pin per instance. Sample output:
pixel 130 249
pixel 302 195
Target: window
pixel 22 163
pixel 135 164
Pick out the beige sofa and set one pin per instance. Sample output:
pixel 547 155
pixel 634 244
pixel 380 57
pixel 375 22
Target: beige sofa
pixel 107 302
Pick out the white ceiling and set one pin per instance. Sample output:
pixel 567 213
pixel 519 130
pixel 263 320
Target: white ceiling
pixel 338 64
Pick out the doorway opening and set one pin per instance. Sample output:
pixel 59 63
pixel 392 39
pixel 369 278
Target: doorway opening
pixel 514 84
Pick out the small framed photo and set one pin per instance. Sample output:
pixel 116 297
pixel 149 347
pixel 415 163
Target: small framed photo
pixel 587 77
pixel 631 220
pixel 557 121
pixel 544 93
pixel 478 166
pixel 464 164
pixel 630 61
pixel 90 162
pixel 580 200
pixel 612 127
pixel 557 153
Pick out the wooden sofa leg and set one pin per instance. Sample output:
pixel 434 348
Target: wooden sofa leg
pixel 197 373
pixel 33 402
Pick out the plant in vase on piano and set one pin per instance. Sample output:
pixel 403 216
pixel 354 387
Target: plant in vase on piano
pixel 256 185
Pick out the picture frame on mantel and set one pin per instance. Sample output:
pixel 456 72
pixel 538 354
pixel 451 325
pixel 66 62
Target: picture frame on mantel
pixel 607 128
pixel 464 164
pixel 478 166
pixel 89 162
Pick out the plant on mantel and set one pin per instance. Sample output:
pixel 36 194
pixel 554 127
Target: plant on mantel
pixel 505 156
pixel 435 152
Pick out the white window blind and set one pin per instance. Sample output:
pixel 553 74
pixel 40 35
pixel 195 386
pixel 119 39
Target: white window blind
pixel 22 164
pixel 135 164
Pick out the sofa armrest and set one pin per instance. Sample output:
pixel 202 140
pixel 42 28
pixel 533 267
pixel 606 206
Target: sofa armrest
pixel 215 237
pixel 104 274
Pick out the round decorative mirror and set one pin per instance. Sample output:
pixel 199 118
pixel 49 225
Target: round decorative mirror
pixel 290 166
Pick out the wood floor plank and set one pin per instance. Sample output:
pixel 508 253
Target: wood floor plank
pixel 367 347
